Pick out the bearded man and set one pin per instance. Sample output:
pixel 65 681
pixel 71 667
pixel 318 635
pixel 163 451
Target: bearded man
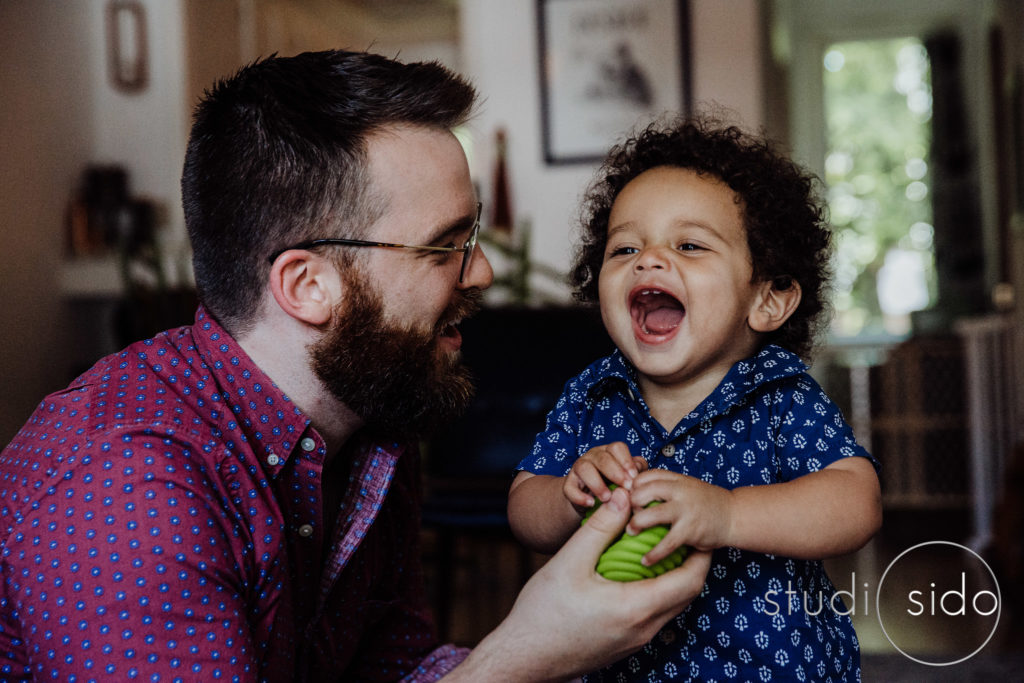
pixel 238 499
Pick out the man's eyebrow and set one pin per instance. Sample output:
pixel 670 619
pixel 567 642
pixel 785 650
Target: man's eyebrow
pixel 452 230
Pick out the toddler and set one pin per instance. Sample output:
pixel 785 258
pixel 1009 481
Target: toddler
pixel 708 252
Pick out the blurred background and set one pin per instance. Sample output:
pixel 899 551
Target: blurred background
pixel 910 111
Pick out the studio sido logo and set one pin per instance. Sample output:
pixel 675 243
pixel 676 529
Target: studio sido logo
pixel 938 603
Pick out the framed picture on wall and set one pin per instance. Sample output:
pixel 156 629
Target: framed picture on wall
pixel 607 66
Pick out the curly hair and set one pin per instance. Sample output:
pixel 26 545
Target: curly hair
pixel 786 222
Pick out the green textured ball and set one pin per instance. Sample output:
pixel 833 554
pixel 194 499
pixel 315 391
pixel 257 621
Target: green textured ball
pixel 621 560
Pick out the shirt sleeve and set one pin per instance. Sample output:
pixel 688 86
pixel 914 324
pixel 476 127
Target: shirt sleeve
pixel 812 433
pixel 438 664
pixel 125 570
pixel 556 448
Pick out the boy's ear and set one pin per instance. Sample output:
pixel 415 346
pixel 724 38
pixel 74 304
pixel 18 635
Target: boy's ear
pixel 773 305
pixel 305 286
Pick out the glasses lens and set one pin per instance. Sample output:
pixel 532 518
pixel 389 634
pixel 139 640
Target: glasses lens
pixel 467 255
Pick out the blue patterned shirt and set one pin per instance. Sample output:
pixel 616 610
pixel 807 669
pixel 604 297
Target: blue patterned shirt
pixel 759 617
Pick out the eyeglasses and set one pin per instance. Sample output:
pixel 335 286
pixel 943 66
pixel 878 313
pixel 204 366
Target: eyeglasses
pixel 467 249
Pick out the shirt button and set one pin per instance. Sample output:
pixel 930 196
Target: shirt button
pixel 307 444
pixel 306 530
pixel 669 450
pixel 272 459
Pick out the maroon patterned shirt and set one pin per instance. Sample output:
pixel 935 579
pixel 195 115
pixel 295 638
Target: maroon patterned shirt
pixel 163 521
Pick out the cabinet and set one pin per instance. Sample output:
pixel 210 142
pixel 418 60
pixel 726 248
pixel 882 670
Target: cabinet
pixel 919 426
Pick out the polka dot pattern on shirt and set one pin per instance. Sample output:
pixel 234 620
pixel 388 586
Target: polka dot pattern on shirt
pixel 153 516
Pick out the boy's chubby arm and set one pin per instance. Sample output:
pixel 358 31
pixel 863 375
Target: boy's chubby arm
pixel 545 510
pixel 540 515
pixel 822 514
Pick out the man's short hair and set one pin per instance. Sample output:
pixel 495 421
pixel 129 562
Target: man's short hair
pixel 277 155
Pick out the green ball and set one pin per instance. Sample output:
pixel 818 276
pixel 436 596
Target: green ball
pixel 621 560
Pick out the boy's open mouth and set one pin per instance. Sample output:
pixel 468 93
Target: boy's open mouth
pixel 655 312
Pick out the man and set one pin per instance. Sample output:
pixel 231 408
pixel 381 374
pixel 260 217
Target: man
pixel 237 499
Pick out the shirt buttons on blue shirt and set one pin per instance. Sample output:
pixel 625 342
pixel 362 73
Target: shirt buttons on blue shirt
pixel 272 459
pixel 668 450
pixel 306 530
pixel 308 444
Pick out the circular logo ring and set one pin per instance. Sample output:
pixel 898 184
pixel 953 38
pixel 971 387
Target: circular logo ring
pixel 999 603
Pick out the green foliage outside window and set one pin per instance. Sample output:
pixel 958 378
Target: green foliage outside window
pixel 877 109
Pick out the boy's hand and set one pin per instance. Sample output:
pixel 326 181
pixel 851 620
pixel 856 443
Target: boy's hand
pixel 570 620
pixel 595 469
pixel 699 514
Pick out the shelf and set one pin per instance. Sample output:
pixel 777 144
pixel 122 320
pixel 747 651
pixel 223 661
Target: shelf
pixel 90 277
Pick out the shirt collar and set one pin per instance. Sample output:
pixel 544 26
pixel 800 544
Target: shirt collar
pixel 772 362
pixel 613 373
pixel 267 417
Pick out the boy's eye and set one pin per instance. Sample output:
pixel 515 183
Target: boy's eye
pixel 622 251
pixel 689 246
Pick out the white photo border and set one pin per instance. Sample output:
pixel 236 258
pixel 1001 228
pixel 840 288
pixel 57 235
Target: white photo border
pixel 607 66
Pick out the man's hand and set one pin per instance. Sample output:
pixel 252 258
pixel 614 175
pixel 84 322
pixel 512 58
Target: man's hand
pixel 568 620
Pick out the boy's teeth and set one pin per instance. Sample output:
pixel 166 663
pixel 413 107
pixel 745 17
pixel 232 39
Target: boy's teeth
pixel 656 312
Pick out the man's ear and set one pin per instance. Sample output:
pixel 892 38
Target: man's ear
pixel 305 286
pixel 773 305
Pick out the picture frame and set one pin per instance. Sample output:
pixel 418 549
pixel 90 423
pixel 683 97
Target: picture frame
pixel 127 45
pixel 607 66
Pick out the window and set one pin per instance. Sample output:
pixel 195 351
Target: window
pixel 878 108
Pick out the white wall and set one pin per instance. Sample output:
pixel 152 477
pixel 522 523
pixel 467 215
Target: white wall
pixel 499 53
pixel 43 143
pixel 145 131
pixel 58 113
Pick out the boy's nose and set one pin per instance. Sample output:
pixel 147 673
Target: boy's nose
pixel 652 258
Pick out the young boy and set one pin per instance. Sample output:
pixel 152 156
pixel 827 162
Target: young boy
pixel 708 254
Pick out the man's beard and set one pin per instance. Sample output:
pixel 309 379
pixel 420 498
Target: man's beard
pixel 392 377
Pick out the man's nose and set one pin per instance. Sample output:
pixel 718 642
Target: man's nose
pixel 480 273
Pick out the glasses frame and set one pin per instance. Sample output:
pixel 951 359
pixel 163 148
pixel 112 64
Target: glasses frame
pixel 466 249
